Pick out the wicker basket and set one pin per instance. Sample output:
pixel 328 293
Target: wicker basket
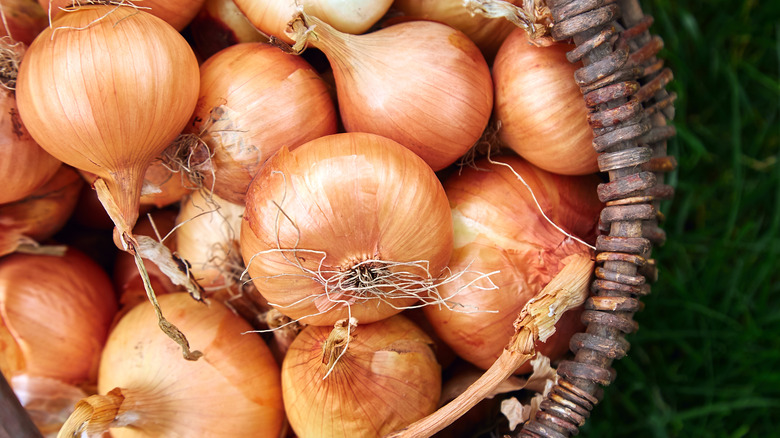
pixel 623 84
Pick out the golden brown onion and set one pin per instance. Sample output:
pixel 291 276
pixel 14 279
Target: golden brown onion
pixel 56 313
pixel 499 228
pixel 420 83
pixel 350 224
pixel 380 377
pixel 149 390
pixel 254 99
pixel 108 108
pixel 542 113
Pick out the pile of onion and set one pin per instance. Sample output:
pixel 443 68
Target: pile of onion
pixel 55 313
pixel 359 380
pixel 500 228
pixel 420 83
pixel 543 116
pixel 146 389
pixel 254 99
pixel 348 225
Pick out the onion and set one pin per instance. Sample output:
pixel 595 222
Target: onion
pixel 542 113
pixel 351 16
pixel 42 214
pixel 255 99
pixel 177 13
pixel 346 225
pixel 57 310
pixel 359 380
pixel 55 314
pixel 499 227
pixel 24 166
pixel 487 33
pixel 207 236
pixel 22 20
pixel 420 83
pixel 148 390
pixel 111 108
pixel 220 24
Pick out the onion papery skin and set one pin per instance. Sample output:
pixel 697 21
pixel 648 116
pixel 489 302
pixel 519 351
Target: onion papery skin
pixel 127 280
pixel 354 198
pixel 24 20
pixel 234 390
pixel 543 116
pixel 498 227
pixel 43 213
pixel 209 229
pixel 350 16
pixel 220 24
pixel 208 236
pixel 254 99
pixel 387 378
pixel 57 310
pixel 108 109
pixel 177 13
pixel 24 166
pixel 487 33
pixel 420 83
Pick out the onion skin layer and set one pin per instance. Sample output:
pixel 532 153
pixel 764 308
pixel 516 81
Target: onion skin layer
pixel 543 116
pixel 387 379
pixel 498 228
pixel 353 197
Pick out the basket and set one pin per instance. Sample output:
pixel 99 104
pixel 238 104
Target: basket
pixel 623 84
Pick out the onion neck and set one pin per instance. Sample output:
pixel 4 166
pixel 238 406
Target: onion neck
pixel 310 30
pixel 120 194
pixel 337 342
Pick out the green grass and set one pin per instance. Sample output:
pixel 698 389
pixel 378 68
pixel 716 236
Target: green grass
pixel 706 360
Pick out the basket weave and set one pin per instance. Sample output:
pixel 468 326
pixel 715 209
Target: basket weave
pixel 623 84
